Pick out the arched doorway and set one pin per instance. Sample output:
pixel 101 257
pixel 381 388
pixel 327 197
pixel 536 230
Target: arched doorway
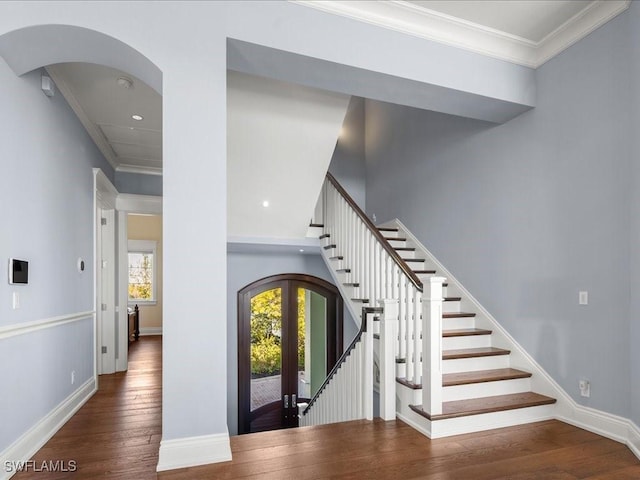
pixel 289 338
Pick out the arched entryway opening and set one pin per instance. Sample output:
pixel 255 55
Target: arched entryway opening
pixel 289 338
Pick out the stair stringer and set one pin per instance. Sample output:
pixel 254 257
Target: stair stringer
pixel 564 409
pixel 332 265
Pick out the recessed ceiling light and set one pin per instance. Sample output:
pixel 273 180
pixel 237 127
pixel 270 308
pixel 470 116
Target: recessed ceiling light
pixel 137 117
pixel 301 250
pixel 265 204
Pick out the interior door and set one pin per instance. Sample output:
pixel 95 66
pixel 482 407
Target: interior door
pixel 282 321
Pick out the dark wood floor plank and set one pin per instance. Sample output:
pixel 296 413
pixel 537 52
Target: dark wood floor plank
pixel 116 435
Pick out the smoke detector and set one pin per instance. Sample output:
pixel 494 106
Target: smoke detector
pixel 125 82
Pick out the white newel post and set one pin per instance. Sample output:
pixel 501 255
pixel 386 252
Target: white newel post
pixel 367 387
pixel 432 345
pixel 388 341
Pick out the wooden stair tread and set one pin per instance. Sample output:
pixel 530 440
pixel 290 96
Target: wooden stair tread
pixel 451 299
pixel 360 300
pixel 404 249
pixel 407 383
pixel 465 332
pixel 324 235
pixel 413 260
pixel 387 229
pixel 473 352
pixel 321 225
pixel 426 272
pixel 351 284
pixel 482 376
pixel 478 406
pixel 329 247
pixel 395 239
pixel 458 314
pixel 336 257
pixel 343 270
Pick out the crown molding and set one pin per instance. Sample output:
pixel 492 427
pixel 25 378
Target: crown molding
pixel 140 170
pixel 412 19
pixel 94 132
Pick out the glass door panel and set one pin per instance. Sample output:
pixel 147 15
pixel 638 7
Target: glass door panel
pixel 266 359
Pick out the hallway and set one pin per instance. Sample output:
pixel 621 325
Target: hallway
pixel 117 433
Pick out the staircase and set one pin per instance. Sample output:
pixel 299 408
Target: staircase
pixel 432 329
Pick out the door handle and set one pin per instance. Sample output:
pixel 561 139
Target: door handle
pixel 293 401
pixel 286 401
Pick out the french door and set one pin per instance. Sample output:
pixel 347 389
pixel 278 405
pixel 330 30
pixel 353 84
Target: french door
pixel 289 337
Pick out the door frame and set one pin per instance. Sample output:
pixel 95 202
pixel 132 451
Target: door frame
pixel 334 329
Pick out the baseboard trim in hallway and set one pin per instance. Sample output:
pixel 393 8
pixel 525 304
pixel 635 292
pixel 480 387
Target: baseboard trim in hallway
pixel 37 436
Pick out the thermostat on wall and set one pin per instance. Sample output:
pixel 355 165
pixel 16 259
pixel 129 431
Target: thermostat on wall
pixel 18 271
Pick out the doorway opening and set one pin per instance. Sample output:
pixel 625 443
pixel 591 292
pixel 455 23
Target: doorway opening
pixel 289 338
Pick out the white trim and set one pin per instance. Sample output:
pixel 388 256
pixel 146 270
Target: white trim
pixel 29 327
pixel 633 441
pixel 193 451
pixel 139 169
pixel 34 439
pixel 411 19
pixel 141 204
pixel 147 331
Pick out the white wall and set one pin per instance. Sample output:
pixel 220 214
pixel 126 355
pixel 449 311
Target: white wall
pixel 46 209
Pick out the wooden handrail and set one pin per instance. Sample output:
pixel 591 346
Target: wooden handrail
pixel 376 233
pixel 345 354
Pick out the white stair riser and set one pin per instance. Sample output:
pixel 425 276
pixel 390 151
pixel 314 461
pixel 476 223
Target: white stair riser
pixel 408 396
pixel 458 323
pixel 489 421
pixel 486 389
pixel 405 254
pixel 474 364
pixel 450 307
pixel 470 341
pixel 401 370
pixel 445 291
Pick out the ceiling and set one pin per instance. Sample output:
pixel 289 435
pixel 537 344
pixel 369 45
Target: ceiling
pixel 105 100
pixel 526 32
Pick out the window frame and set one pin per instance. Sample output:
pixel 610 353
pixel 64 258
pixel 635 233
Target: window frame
pixel 148 247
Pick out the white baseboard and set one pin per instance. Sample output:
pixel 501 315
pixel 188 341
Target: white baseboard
pixel 34 439
pixel 633 442
pixel 146 331
pixel 605 424
pixel 193 451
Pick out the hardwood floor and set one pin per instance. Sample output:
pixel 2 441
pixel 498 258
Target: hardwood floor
pixel 117 435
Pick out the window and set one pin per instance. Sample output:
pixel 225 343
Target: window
pixel 142 271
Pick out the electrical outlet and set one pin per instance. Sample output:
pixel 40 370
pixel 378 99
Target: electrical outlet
pixel 73 377
pixel 583 298
pixel 585 388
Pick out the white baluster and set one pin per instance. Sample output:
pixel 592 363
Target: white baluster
pixel 388 343
pixel 432 346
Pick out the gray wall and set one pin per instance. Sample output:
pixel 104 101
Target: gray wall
pixel 348 161
pixel 46 209
pixel 138 183
pixel 528 213
pixel 246 268
pixel 634 204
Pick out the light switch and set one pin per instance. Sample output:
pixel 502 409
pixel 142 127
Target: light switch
pixel 16 300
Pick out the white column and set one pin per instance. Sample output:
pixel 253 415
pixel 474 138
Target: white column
pixel 388 342
pixel 432 345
